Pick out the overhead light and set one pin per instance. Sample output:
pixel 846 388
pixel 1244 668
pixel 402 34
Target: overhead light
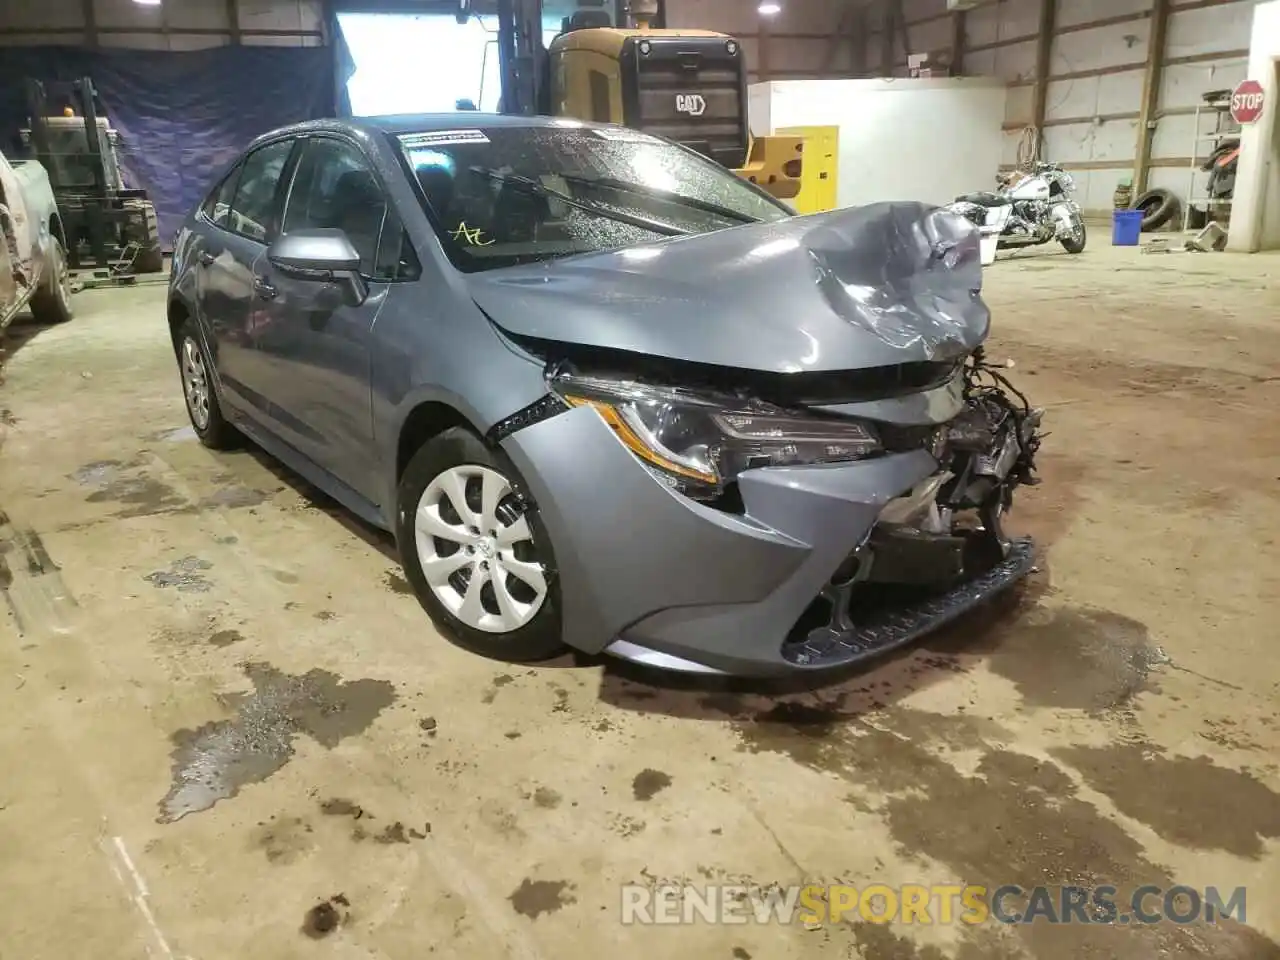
pixel 147 3
pixel 769 9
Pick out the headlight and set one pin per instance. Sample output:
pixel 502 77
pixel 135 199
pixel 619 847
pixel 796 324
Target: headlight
pixel 698 443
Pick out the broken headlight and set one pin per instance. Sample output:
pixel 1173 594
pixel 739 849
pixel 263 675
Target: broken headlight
pixel 697 443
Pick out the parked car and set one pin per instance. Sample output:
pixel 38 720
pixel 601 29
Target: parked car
pixel 33 262
pixel 605 393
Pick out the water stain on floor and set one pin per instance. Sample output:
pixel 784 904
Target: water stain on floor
pixel 187 575
pixel 878 942
pixel 213 762
pixel 397 583
pixel 284 841
pixel 1189 801
pixel 141 495
pixel 533 898
pixel 325 917
pixel 1066 657
pixel 231 497
pixel 649 783
pixel 225 638
pixel 1017 820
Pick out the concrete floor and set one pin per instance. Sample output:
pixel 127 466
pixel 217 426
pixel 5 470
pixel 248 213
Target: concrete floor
pixel 185 625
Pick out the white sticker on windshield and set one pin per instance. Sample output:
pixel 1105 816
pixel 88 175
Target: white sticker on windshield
pixel 438 138
pixel 623 135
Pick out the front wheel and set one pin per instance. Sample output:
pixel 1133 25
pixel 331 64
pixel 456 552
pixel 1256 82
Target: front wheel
pixel 475 551
pixel 1074 243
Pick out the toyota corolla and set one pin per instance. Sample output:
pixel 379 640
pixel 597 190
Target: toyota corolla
pixel 606 394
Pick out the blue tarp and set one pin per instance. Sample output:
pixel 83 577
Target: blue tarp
pixel 181 115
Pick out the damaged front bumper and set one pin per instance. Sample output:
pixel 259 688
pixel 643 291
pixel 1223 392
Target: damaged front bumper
pixel 779 584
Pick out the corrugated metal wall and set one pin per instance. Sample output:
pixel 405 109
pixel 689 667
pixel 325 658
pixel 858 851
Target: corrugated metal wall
pixel 1089 80
pixel 172 25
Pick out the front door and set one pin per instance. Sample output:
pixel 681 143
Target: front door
pixel 315 341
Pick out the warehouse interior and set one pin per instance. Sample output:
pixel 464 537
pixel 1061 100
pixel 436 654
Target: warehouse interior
pixel 853 423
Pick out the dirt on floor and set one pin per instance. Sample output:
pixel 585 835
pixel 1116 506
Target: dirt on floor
pixel 227 730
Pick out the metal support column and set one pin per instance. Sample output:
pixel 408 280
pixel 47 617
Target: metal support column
pixel 1150 96
pixel 1044 49
pixel 957 43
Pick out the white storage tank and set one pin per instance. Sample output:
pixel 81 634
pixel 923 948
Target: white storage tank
pixel 900 139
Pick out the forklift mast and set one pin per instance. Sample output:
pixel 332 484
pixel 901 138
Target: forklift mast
pixel 84 103
pixel 522 56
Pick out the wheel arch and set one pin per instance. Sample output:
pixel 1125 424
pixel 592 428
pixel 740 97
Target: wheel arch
pixel 428 419
pixel 178 314
pixel 56 228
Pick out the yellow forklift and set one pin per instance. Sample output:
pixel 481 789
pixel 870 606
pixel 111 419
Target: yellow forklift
pixel 689 86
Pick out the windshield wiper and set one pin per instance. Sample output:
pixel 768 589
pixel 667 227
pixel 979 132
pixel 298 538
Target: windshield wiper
pixel 626 186
pixel 533 186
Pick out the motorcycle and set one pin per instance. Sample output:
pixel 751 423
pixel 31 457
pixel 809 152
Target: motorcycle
pixel 1028 208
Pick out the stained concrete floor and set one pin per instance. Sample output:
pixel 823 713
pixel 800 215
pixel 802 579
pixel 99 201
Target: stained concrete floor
pixel 226 729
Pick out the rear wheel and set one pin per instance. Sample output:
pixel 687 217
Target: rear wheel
pixel 198 389
pixel 1075 242
pixel 52 302
pixel 475 551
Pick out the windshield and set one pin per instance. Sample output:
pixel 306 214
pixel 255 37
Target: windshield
pixel 507 195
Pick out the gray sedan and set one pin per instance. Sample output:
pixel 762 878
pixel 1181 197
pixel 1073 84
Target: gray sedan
pixel 606 394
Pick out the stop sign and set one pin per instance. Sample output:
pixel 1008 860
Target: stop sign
pixel 1246 101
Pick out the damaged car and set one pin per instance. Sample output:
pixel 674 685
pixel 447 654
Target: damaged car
pixel 606 394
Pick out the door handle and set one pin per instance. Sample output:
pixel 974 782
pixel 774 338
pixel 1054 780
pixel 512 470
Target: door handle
pixel 263 289
pixel 206 258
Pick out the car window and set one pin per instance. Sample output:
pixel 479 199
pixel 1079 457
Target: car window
pixel 218 205
pixel 334 188
pixel 254 209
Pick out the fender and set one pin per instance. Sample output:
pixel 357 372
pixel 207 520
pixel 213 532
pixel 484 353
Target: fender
pixel 1063 213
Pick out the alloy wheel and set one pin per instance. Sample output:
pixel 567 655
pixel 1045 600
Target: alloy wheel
pixel 61 275
pixel 195 383
pixel 476 549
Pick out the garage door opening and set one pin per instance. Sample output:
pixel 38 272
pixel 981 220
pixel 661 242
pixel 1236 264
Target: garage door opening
pixel 424 63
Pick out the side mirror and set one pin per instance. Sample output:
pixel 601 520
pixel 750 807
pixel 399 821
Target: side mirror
pixel 322 254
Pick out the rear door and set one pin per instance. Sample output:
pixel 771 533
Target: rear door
pixel 316 346
pixel 238 222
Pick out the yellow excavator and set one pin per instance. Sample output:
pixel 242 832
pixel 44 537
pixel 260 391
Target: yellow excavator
pixel 687 85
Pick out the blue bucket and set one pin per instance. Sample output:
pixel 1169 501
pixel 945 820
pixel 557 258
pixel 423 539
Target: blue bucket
pixel 1126 227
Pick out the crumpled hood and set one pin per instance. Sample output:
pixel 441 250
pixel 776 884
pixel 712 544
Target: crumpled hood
pixel 870 286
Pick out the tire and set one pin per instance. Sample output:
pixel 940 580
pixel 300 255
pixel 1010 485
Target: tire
pixel 1075 244
pixel 145 232
pixel 1158 208
pixel 203 409
pixel 52 302
pixel 525 628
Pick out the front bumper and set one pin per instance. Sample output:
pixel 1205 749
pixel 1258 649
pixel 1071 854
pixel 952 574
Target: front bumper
pixel 650 575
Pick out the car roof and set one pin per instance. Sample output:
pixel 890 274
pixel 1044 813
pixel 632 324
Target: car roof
pixel 418 123
pixel 425 123
pixel 468 119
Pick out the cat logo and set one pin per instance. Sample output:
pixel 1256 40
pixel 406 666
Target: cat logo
pixel 691 103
